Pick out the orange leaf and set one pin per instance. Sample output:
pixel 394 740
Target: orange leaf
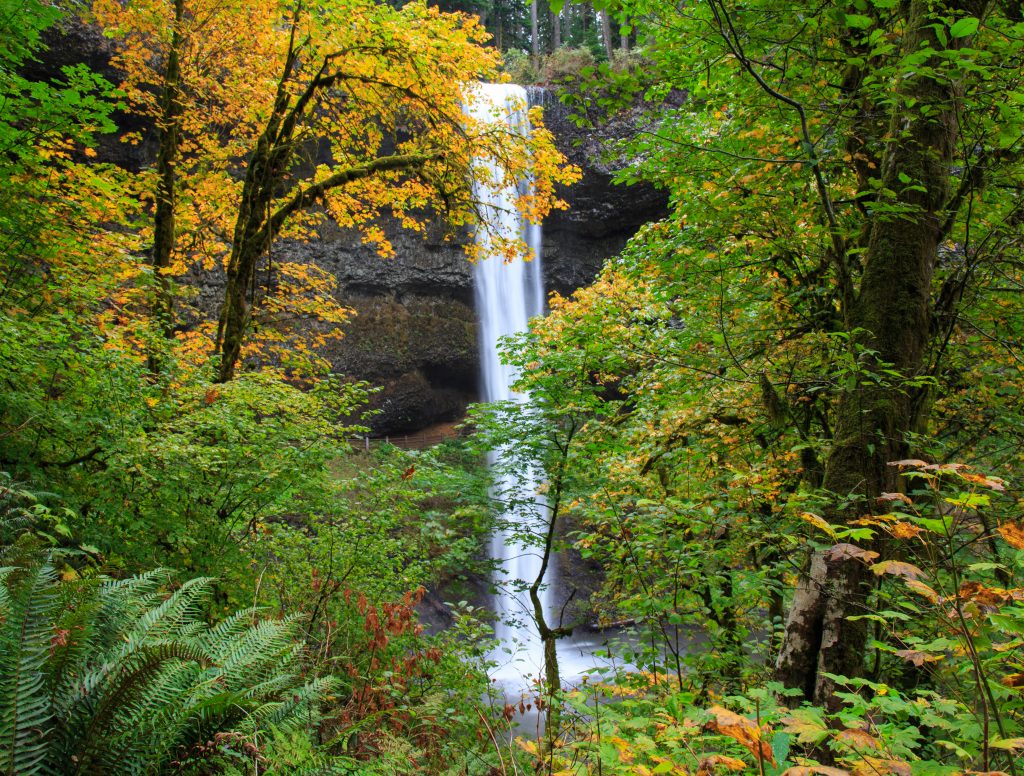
pixel 1014 681
pixel 904 530
pixel 743 730
pixel 991 597
pixel 1013 534
pixel 995 483
pixel 922 589
pixel 898 568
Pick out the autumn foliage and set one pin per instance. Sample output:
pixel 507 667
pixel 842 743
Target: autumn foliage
pixel 273 117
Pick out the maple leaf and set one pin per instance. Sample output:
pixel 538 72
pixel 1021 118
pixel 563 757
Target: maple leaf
pixel 845 551
pixel 995 483
pixel 1008 743
pixel 858 739
pixel 921 588
pixel 1013 534
pixel 988 597
pixel 706 767
pixel 818 522
pixel 888 497
pixel 875 766
pixel 917 657
pixel 898 568
pixel 908 463
pixel 904 530
pixel 805 725
pixel 742 730
pixel 1014 681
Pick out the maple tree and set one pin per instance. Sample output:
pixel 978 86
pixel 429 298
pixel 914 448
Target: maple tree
pixel 384 88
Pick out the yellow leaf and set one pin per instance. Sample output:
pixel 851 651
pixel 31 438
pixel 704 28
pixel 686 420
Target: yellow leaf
pixel 1008 743
pixel 876 766
pixel 818 522
pixel 904 530
pixel 858 739
pixel 807 728
pixel 708 764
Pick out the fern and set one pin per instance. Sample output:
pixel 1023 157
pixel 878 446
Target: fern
pixel 100 676
pixel 25 709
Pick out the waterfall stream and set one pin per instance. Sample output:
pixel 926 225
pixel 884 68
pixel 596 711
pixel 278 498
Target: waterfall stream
pixel 508 294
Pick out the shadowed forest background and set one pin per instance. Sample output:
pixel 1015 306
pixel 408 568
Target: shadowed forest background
pixel 780 432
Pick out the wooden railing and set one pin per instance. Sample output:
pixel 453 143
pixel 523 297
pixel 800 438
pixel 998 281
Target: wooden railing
pixel 418 441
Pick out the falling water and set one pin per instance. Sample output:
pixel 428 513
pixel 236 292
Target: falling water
pixel 508 294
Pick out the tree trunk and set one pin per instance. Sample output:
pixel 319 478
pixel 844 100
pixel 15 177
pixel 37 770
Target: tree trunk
pixel 556 30
pixel 260 220
pixel 534 33
pixel 606 35
pixel 499 27
pixel 890 316
pixel 169 129
pixel 249 244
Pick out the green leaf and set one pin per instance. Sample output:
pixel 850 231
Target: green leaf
pixel 858 21
pixel 1007 743
pixel 964 27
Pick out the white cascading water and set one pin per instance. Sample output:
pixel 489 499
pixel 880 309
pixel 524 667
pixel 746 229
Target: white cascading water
pixel 508 294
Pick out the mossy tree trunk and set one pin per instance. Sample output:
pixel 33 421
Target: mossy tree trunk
pixel 888 323
pixel 169 129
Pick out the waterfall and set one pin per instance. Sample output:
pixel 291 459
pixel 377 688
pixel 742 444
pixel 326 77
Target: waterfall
pixel 508 294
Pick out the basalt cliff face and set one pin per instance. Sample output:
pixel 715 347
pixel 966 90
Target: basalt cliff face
pixel 414 332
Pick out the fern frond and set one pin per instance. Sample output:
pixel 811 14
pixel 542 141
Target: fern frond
pixel 125 685
pixel 227 629
pixel 165 619
pixel 299 706
pixel 25 711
